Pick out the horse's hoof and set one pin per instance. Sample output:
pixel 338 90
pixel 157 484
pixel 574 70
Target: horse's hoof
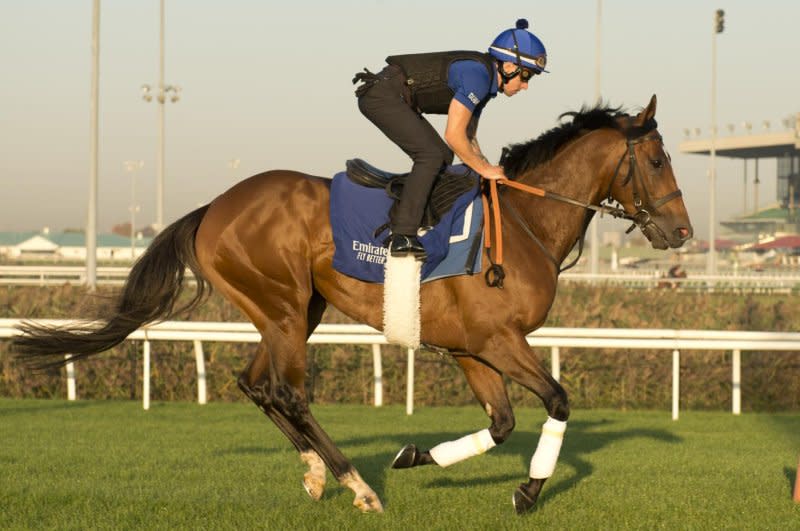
pixel 526 495
pixel 407 457
pixel 368 503
pixel 314 479
pixel 314 487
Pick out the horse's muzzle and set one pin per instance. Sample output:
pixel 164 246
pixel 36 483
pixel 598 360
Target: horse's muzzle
pixel 680 236
pixel 661 239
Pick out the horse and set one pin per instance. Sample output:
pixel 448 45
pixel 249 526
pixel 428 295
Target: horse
pixel 266 245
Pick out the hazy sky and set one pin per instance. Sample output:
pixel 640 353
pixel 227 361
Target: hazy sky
pixel 268 83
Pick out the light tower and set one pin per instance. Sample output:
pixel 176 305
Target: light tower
pixel 711 265
pixel 162 93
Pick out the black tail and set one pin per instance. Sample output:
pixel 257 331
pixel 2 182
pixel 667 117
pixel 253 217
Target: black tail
pixel 151 291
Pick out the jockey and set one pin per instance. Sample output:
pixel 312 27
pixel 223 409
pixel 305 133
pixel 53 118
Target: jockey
pixel 458 84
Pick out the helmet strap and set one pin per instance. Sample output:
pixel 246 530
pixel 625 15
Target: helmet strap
pixel 508 76
pixel 516 49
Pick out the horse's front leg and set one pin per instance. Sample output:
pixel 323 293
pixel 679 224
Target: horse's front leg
pixel 489 389
pixel 517 361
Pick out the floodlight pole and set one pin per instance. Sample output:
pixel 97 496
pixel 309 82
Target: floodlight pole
pixel 131 166
pixel 711 264
pixel 94 105
pixel 161 91
pixel 160 184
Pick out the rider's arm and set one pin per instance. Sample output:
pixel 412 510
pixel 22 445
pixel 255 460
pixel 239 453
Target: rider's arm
pixel 460 136
pixel 472 134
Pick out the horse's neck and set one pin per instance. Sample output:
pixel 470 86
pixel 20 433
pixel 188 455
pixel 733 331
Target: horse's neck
pixel 581 171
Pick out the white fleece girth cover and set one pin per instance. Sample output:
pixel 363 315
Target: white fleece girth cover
pixel 401 301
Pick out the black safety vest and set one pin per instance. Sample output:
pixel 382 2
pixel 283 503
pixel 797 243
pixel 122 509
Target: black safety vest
pixel 426 76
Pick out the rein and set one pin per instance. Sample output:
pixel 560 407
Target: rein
pixel 641 218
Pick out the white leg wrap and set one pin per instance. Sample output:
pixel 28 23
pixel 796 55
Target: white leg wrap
pixel 543 462
pixel 401 300
pixel 447 453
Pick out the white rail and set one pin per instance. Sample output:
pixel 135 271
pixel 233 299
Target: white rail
pixel 43 275
pixel 650 339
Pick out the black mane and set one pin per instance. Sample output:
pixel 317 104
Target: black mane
pixel 526 155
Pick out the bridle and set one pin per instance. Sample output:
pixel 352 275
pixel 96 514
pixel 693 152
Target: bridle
pixel 642 217
pixel 642 202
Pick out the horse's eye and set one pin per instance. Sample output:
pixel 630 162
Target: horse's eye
pixel 657 163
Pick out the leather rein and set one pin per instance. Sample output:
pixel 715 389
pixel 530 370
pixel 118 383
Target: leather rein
pixel 641 218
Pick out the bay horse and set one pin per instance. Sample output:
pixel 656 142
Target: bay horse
pixel 266 245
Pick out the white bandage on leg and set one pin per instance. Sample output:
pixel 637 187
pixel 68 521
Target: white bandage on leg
pixel 447 453
pixel 543 462
pixel 401 300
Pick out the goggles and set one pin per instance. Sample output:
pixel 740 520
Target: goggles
pixel 525 74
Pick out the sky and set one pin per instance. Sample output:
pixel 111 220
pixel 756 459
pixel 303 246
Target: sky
pixel 267 83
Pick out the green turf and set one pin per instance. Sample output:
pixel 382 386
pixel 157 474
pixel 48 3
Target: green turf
pixel 90 465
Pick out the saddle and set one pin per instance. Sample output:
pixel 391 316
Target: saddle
pixel 450 184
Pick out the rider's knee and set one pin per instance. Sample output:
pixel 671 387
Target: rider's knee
pixel 447 156
pixel 366 107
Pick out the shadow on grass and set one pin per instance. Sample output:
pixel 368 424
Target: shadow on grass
pixel 582 440
pixel 791 476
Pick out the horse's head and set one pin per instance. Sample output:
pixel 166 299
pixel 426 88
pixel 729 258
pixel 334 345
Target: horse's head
pixel 645 186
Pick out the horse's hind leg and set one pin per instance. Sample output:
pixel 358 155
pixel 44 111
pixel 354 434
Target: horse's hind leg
pixel 289 399
pixel 254 382
pixel 489 389
pixel 276 380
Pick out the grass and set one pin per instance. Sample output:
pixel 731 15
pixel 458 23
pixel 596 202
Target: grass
pixel 110 465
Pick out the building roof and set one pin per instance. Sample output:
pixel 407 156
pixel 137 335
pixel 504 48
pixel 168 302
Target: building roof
pixel 769 213
pixel 784 242
pixel 766 145
pixel 8 239
pixel 69 239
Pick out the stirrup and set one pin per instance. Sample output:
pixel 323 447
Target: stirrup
pixel 405 244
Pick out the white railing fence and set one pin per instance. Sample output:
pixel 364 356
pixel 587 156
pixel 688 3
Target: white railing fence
pixel 787 281
pixel 555 338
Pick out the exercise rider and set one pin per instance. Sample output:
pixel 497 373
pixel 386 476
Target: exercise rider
pixel 458 84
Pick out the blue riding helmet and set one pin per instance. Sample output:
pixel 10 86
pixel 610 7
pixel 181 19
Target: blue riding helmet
pixel 521 47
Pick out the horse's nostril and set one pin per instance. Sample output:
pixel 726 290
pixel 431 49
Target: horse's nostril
pixel 683 233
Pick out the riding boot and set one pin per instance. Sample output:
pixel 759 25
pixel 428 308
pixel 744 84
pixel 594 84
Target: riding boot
pixel 407 244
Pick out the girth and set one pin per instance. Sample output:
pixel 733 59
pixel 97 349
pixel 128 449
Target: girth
pixel 448 187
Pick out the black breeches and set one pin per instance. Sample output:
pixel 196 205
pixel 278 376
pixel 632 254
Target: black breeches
pixel 383 105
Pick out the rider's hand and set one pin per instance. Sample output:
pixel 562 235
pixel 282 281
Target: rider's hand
pixel 494 173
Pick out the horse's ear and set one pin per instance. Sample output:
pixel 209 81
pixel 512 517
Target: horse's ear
pixel 648 113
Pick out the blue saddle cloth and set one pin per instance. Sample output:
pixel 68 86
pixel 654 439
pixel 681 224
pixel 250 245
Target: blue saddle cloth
pixel 357 211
